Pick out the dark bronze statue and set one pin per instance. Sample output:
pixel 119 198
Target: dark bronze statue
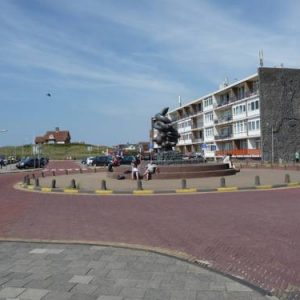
pixel 167 136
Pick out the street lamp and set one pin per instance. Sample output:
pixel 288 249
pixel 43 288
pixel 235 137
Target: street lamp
pixel 272 143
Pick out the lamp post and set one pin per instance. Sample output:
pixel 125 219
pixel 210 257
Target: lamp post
pixel 272 144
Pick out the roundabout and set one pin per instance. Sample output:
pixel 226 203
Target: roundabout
pixel 251 236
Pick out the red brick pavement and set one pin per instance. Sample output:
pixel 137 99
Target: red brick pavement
pixel 255 235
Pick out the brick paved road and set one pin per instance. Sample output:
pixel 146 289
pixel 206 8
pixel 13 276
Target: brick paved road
pixel 254 235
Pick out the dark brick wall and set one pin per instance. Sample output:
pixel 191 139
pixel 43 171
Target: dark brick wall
pixel 280 109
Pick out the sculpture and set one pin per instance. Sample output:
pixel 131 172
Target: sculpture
pixel 167 136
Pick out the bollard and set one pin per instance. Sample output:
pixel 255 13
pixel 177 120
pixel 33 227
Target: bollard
pixel 37 182
pixel 53 173
pixel 222 182
pixel 28 180
pixel 139 184
pixel 257 180
pixel 53 184
pixel 80 170
pixel 43 174
pixel 66 171
pixel 95 170
pixel 25 179
pixel 183 183
pixel 103 185
pixel 287 178
pixel 33 176
pixel 73 184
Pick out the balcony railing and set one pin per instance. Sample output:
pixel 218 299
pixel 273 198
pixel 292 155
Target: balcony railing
pixel 223 136
pixel 240 152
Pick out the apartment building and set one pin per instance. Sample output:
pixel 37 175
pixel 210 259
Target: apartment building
pixel 244 118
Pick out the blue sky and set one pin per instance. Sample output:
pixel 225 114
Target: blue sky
pixel 112 64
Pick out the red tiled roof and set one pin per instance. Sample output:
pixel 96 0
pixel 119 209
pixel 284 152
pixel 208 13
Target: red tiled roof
pixel 59 136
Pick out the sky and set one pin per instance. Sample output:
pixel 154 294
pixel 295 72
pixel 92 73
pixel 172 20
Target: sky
pixel 110 65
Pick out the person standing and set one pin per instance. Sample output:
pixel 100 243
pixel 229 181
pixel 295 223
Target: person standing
pixel 297 156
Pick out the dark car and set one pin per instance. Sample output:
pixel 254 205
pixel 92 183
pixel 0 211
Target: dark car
pixel 102 161
pixel 31 162
pixel 127 160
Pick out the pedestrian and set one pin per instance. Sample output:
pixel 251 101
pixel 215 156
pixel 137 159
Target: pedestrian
pixel 227 160
pixel 135 174
pixel 150 170
pixel 296 156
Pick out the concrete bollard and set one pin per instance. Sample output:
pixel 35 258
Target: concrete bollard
pixel 66 172
pixel 80 170
pixel 28 180
pixel 103 185
pixel 43 174
pixel 95 170
pixel 25 179
pixel 139 185
pixel 33 176
pixel 257 180
pixel 73 184
pixel 53 184
pixel 183 183
pixel 37 182
pixel 222 182
pixel 287 178
pixel 53 173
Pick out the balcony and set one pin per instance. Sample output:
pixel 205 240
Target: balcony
pixel 240 152
pixel 223 136
pixel 197 140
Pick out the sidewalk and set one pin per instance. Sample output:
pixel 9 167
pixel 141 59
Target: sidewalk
pixel 85 272
pixel 245 178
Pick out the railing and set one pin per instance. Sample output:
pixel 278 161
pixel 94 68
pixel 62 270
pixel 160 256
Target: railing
pixel 197 140
pixel 223 136
pixel 240 152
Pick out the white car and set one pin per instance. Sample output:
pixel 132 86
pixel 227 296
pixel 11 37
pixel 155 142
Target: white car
pixel 90 160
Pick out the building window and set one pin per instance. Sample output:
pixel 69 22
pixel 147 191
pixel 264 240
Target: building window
pixel 240 127
pixel 209 117
pixel 208 102
pixel 254 105
pixel 241 93
pixel 254 125
pixel 239 109
pixel 209 132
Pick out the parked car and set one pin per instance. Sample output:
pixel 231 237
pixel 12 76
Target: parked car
pixel 127 160
pixel 89 160
pixel 31 162
pixel 103 160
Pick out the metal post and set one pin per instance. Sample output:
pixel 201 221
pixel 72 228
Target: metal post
pixel 272 146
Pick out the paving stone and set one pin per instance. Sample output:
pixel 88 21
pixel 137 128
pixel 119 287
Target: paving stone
pixel 11 292
pixel 130 292
pixel 82 297
pixel 237 287
pixel 111 298
pixel 33 294
pixel 57 296
pixel 157 294
pixel 84 289
pixel 81 279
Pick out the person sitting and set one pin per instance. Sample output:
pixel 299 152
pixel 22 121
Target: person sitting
pixel 227 160
pixel 150 170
